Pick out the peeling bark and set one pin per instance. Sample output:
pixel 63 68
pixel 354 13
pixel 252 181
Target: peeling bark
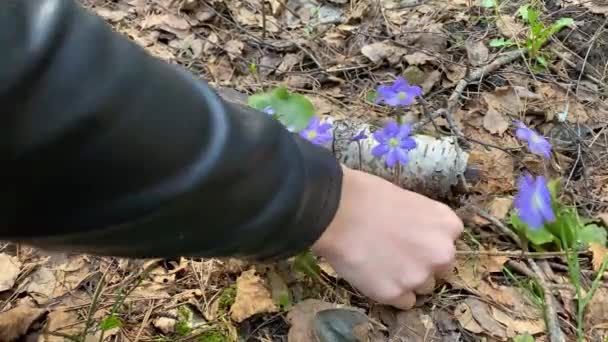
pixel 435 168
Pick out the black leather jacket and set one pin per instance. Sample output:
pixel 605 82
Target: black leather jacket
pixel 106 150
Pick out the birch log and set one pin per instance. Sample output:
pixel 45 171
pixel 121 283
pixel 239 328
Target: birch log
pixel 436 166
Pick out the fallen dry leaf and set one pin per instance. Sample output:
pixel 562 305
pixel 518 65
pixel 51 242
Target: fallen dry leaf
pixel 594 6
pixel 495 122
pixel 10 267
pixel 377 52
pixel 464 315
pixel 412 325
pixel 600 253
pixel 234 48
pixel 252 297
pixel 112 15
pixel 515 326
pixel 496 169
pixel 510 297
pixel 301 318
pixel 289 61
pixel 597 310
pixel 63 322
pixel 40 284
pixel 509 27
pixel 491 263
pixel 165 324
pixel 477 52
pixel 499 207
pixel 16 322
pixel 555 100
pixel 482 313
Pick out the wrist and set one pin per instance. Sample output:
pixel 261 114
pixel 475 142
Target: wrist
pixel 326 242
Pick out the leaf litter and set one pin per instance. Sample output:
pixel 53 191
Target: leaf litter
pixel 336 51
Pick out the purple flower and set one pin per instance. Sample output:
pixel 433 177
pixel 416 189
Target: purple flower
pixel 536 142
pixel 533 202
pixel 316 132
pixel 269 110
pixel 360 136
pixel 394 143
pixel 399 93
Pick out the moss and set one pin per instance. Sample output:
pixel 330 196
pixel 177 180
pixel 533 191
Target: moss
pixel 182 327
pixel 227 299
pixel 213 336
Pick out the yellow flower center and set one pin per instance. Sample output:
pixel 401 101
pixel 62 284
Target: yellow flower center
pixel 402 95
pixel 311 134
pixel 393 142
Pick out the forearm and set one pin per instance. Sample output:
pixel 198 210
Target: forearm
pixel 107 150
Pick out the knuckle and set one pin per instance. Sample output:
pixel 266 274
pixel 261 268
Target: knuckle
pixel 414 279
pixel 445 255
pixel 388 294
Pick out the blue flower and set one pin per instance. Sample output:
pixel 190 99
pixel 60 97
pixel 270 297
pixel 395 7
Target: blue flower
pixel 269 110
pixel 533 202
pixel 399 93
pixel 360 136
pixel 536 142
pixel 394 143
pixel 316 132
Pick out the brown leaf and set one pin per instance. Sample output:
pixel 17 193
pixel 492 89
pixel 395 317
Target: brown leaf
pixel 492 263
pixel 61 321
pixel 10 267
pixel 111 15
pixel 515 326
pixel 252 297
pixel 234 48
pixel 301 318
pixel 495 122
pixel 16 322
pixel 555 100
pixel 289 61
pixel 597 310
pixel 594 6
pixel 464 315
pixel 510 297
pixel 477 52
pixel 455 72
pixel 40 285
pixel 600 253
pixel 413 325
pixel 482 314
pixel 419 58
pixel 379 51
pixel 510 100
pixel 509 27
pixel 165 324
pixel 496 169
pixel 499 207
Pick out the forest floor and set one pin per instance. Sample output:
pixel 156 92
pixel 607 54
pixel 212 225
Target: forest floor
pixel 336 52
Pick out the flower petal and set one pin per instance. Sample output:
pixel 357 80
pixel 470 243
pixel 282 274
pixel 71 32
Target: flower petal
pixel 402 156
pixel 392 157
pixel 380 136
pixel 391 129
pixel 380 150
pixel 407 144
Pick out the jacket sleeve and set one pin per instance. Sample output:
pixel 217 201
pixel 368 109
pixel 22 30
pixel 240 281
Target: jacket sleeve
pixel 107 150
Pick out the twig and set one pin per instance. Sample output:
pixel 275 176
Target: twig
pixel 474 76
pixel 564 268
pixel 536 255
pixel 263 19
pixel 555 332
pixel 502 229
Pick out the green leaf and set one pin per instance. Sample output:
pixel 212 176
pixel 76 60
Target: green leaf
pixel 524 338
pixel 537 237
pixel 109 323
pixel 523 12
pixel 500 42
pixel 561 23
pixel 307 264
pixel 372 95
pixel 293 110
pixel 593 233
pixel 488 3
pixel 542 61
pixel 253 68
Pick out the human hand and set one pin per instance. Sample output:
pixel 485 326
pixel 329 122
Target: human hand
pixel 388 242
